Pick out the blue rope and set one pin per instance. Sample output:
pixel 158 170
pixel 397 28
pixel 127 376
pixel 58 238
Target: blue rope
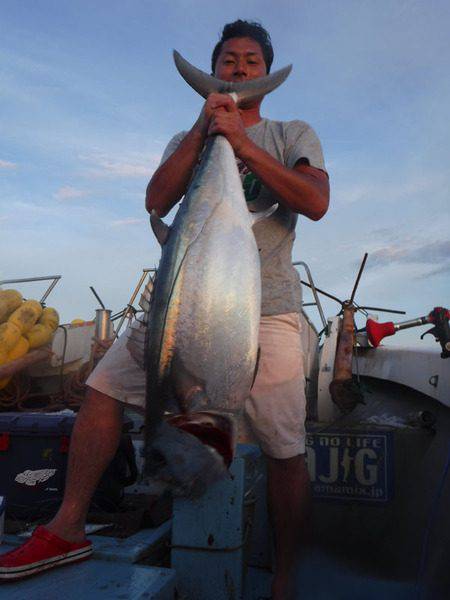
pixel 431 520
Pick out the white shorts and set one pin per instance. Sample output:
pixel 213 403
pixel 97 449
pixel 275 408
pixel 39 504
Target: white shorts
pixel 276 408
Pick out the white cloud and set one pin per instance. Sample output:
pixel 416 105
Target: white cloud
pixel 117 169
pixel 367 189
pixel 432 253
pixel 6 164
pixel 126 222
pixel 407 259
pixel 129 166
pixel 445 268
pixel 69 193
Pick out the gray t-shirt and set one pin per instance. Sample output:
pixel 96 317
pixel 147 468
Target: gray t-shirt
pixel 288 142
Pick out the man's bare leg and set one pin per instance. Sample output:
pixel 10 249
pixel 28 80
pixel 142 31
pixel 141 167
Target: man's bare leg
pixel 95 438
pixel 289 499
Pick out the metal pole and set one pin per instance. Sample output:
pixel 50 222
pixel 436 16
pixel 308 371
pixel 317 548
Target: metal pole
pixel 412 323
pixel 314 291
pixel 358 277
pixel 132 299
pixel 54 278
pixel 27 279
pixel 47 293
pixel 98 297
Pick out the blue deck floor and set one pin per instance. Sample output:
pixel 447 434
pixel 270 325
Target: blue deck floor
pixel 117 578
pixel 110 574
pixel 97 579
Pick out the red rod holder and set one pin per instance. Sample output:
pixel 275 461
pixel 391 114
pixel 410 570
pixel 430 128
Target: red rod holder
pixel 377 331
pixel 439 317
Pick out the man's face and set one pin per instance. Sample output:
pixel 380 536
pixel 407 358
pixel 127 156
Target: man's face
pixel 240 59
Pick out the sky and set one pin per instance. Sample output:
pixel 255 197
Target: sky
pixel 89 98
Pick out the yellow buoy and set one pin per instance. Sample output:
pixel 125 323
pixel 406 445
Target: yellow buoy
pixel 19 350
pixel 9 336
pixel 26 315
pixel 39 335
pixel 3 356
pixel 76 322
pixel 49 318
pixel 9 301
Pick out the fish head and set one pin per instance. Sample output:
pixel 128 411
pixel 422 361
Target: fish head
pixel 188 456
pixel 212 428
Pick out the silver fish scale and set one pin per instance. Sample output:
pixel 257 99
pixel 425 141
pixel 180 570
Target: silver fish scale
pixel 211 292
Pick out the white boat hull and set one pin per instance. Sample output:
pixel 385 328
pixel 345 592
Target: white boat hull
pixel 420 369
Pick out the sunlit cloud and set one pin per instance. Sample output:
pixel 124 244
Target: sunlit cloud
pixel 116 169
pixel 420 261
pixel 432 253
pixel 365 191
pixel 6 164
pixel 445 268
pixel 130 167
pixel 69 193
pixel 127 222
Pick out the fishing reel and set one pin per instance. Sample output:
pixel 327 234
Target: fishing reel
pixel 439 317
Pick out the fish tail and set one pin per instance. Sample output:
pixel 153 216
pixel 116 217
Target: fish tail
pixel 206 84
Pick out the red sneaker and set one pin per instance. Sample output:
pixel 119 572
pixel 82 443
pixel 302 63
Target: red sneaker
pixel 44 550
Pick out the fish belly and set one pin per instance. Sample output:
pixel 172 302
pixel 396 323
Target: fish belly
pixel 218 306
pixel 215 308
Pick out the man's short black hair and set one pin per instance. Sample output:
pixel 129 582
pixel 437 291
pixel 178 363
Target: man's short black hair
pixel 250 29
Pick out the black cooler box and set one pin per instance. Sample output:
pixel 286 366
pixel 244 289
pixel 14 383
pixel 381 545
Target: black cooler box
pixel 33 462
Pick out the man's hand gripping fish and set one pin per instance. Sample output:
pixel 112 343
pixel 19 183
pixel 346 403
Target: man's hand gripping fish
pixel 202 337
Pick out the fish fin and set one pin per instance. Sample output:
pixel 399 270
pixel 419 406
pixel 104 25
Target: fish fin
pixel 160 229
pixel 258 356
pixel 205 84
pixel 263 214
pixel 188 389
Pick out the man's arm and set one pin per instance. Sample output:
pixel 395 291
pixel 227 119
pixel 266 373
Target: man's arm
pixel 304 189
pixel 170 180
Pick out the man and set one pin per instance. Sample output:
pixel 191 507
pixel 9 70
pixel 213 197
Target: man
pixel 278 162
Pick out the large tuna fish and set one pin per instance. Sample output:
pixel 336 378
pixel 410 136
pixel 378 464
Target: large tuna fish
pixel 202 337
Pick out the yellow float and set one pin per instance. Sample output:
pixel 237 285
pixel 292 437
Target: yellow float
pixel 9 301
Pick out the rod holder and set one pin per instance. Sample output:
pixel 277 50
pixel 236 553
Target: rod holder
pixel 103 324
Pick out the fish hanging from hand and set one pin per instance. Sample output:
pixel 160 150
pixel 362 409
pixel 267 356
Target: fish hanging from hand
pixel 203 317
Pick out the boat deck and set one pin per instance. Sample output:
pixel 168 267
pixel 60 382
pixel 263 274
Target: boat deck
pixel 366 551
pixel 112 575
